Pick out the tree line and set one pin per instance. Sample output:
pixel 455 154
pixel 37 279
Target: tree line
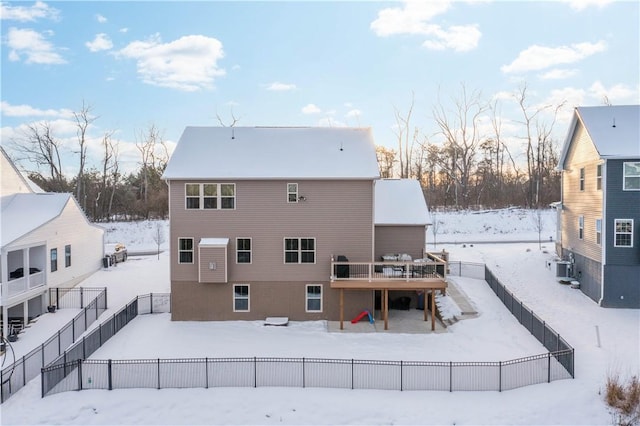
pixel 464 164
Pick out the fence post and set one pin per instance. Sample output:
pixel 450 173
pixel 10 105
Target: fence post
pixel 255 372
pixel 85 320
pixel 80 374
pixel 24 372
pixel 84 350
pixel 105 299
pixel 450 376
pixel 97 314
pixel 499 376
pixel 81 298
pixel 42 350
pixel 158 373
pixel 42 373
pixel 109 377
pixel 59 343
pixel 58 298
pixel 351 373
pixel 206 372
pixel 150 303
pixel 401 387
pixel 548 367
pixel 544 335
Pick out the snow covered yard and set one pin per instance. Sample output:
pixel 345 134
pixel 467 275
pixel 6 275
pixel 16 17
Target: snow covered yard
pixel 492 336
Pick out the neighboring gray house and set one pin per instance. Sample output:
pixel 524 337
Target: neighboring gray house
pixel 600 208
pixel 46 241
pixel 261 217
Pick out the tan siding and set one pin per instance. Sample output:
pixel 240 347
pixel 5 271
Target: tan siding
pixel 192 301
pixel 575 203
pixel 400 239
pixel 217 256
pixel 337 213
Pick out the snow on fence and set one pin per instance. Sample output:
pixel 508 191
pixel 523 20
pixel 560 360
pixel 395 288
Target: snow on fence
pixel 16 375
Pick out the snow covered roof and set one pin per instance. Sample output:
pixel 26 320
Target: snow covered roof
pixel 274 152
pixel 213 242
pixel 400 202
pixel 614 130
pixel 23 213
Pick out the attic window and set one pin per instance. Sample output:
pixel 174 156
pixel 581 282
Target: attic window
pixel 292 192
pixel 631 176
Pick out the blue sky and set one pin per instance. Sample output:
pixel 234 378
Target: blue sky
pixel 175 64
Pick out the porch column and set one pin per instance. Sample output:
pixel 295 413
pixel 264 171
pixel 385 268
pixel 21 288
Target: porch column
pixel 342 309
pixel 424 302
pixel 25 312
pixel 5 321
pixel 433 310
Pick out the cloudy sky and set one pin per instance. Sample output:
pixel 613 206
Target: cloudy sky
pixel 175 64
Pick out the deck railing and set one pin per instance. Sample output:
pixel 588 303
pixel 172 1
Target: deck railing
pixel 429 268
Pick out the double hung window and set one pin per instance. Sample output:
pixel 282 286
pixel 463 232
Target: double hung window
pixel 314 298
pixel 185 250
pixel 631 176
pixel 243 250
pixel 67 256
pixel 210 196
pixel 623 233
pixel 240 298
pixel 54 259
pixel 299 250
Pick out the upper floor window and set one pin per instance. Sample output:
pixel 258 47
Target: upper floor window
pixel 631 176
pixel 582 179
pixel 243 250
pixel 299 250
pixel 598 231
pixel 210 196
pixel 599 177
pixel 67 256
pixel 185 250
pixel 292 192
pixel 54 259
pixel 623 233
pixel 581 227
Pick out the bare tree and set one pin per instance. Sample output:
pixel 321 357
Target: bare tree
pixel 234 119
pixel 158 237
pixel 406 138
pixel 386 160
pixel 461 133
pixel 38 145
pixel 83 120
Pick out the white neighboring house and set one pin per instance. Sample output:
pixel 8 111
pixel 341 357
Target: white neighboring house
pixel 47 241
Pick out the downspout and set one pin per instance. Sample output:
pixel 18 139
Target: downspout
pixel 604 240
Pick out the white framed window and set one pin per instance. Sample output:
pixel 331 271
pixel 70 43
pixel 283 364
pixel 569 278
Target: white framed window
pixel 623 236
pixel 631 176
pixel 67 256
pixel 581 227
pixel 185 250
pixel 54 259
pixel 582 179
pixel 292 192
pixel 241 298
pixel 313 298
pixel 299 250
pixel 599 177
pixel 598 231
pixel 210 196
pixel 243 250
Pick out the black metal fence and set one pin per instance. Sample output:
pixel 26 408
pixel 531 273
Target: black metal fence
pixel 304 373
pixel 27 367
pixel 532 322
pixel 74 297
pixel 64 364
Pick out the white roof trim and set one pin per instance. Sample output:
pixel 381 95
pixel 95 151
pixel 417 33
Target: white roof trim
pixel 213 242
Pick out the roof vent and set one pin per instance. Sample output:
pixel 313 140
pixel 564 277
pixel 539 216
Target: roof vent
pixel 233 133
pixel 341 147
pixel 614 122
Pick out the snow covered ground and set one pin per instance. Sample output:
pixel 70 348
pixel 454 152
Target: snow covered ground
pixel 493 335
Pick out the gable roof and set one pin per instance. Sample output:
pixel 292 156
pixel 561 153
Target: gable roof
pixel 400 202
pixel 23 213
pixel 614 130
pixel 273 153
pixel 13 181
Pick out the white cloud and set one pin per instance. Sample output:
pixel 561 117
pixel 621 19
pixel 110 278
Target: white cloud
pixel 32 45
pixel 311 109
pixel 28 13
pixel 540 57
pixel 9 110
pixel 354 113
pixel 124 30
pixel 413 18
pixel 583 4
pixel 558 74
pixel 616 94
pixel 280 87
pixel 101 18
pixel 100 42
pixel 188 63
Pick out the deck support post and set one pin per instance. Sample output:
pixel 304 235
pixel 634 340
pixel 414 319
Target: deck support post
pixel 386 308
pixel 433 310
pixel 424 303
pixel 342 309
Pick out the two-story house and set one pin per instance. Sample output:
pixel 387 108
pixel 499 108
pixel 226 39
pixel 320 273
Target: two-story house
pixel 46 241
pixel 600 208
pixel 281 221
